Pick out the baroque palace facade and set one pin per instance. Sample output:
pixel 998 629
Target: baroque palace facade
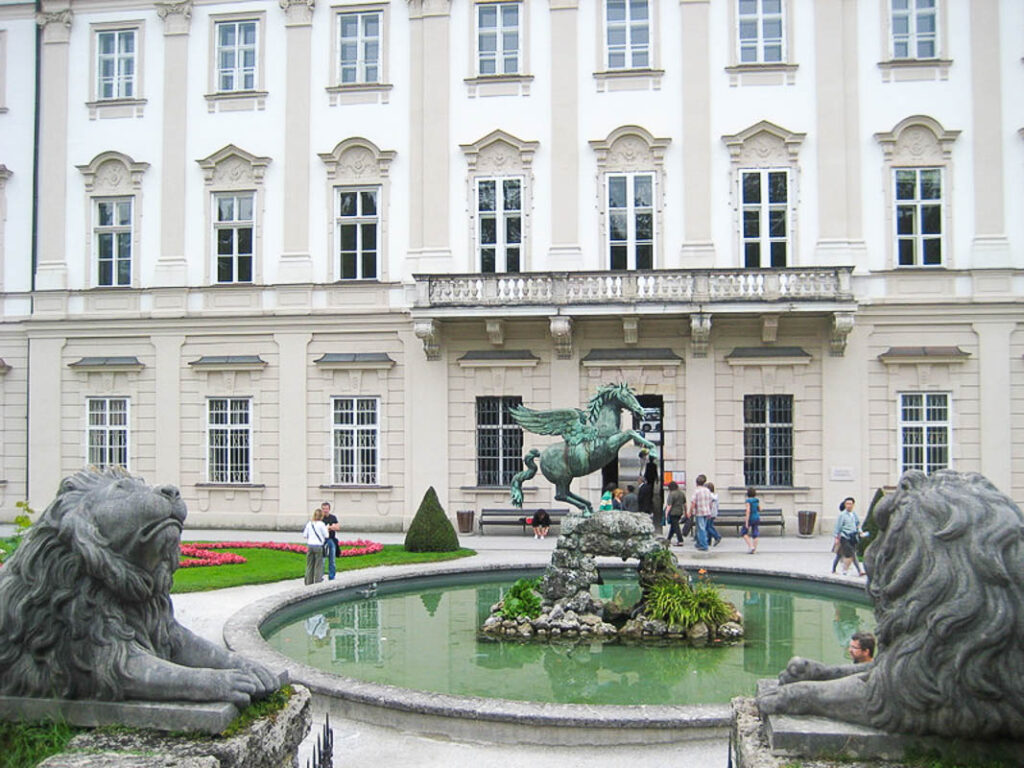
pixel 281 252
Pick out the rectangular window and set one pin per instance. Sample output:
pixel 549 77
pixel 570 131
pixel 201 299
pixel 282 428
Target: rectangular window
pixel 765 218
pixel 497 36
pixel 234 232
pixel 358 224
pixel 914 29
pixel 356 440
pixel 229 439
pixel 919 217
pixel 628 34
pixel 359 36
pixel 924 428
pixel 499 441
pixel 760 31
pixel 236 55
pixel 107 432
pixel 115 64
pixel 113 241
pixel 768 440
pixel 499 209
pixel 631 221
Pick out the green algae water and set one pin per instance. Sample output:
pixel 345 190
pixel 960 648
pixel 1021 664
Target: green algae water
pixel 424 636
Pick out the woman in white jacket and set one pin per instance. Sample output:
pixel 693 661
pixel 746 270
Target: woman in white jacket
pixel 315 534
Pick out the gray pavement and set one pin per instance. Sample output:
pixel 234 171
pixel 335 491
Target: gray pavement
pixel 358 743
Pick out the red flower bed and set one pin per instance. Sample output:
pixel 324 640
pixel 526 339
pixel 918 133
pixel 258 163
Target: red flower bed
pixel 193 556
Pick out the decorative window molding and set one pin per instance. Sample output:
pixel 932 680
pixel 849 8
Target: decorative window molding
pixel 364 361
pixel 113 181
pixel 114 364
pixel 927 355
pixel 915 39
pixel 237 62
pixel 755 154
pixel 233 170
pixel 229 363
pixel 358 164
pixel 628 56
pixel 116 74
pixel 630 150
pixel 632 357
pixel 498 358
pixel 500 157
pixel 359 62
pixel 761 43
pixel 741 356
pixel 918 143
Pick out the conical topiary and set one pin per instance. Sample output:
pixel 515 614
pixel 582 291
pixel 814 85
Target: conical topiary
pixel 431 530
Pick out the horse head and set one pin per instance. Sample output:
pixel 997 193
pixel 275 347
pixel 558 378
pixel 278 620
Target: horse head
pixel 621 394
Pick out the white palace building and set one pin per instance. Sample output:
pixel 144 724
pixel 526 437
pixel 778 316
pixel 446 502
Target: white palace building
pixel 282 252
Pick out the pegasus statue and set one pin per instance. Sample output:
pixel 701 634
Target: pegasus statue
pixel 592 438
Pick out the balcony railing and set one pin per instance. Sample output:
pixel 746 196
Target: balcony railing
pixel 696 286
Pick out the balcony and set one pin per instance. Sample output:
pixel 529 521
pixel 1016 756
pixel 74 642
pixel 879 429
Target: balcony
pixel 692 290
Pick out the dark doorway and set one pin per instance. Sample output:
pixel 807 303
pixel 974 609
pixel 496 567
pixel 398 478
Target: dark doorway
pixel 628 466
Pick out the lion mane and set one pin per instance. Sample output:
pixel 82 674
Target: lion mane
pixel 76 599
pixel 947 579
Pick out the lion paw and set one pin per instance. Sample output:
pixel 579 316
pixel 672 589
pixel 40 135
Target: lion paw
pixel 800 668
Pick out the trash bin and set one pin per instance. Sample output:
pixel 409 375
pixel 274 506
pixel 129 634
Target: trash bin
pixel 806 520
pixel 465 518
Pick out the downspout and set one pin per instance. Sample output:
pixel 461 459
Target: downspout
pixel 34 238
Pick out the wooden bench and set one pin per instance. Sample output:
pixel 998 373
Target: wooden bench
pixel 517 517
pixel 735 518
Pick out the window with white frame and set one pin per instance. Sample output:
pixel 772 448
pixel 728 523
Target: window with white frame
pixel 764 196
pixel 355 440
pixel 107 432
pixel 229 439
pixel 499 208
pixel 233 230
pixel 630 220
pixel 498 38
pixel 237 48
pixel 768 440
pixel 358 222
pixel 760 27
pixel 627 34
pixel 116 64
pixel 918 216
pixel 924 431
pixel 359 47
pixel 112 233
pixel 499 441
pixel 914 29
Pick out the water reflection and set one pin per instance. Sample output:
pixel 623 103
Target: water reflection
pixel 427 640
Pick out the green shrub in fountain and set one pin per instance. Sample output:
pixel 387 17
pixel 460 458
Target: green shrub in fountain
pixel 431 530
pixel 522 599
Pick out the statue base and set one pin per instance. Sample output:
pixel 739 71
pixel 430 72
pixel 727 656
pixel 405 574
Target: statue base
pixel 202 717
pixel 784 738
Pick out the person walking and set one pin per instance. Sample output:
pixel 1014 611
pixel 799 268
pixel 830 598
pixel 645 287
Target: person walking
pixel 331 522
pixel 847 535
pixel 700 508
pixel 675 508
pixel 315 534
pixel 751 529
pixel 713 535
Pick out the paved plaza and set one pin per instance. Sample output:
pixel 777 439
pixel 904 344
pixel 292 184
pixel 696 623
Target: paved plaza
pixel 359 743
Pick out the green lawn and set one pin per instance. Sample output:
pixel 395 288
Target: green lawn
pixel 268 565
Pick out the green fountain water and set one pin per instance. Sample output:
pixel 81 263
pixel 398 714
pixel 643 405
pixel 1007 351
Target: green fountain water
pixel 425 638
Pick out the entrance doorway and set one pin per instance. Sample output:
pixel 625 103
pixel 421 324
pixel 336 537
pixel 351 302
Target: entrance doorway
pixel 628 466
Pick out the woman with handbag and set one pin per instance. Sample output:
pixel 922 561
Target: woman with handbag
pixel 847 535
pixel 315 534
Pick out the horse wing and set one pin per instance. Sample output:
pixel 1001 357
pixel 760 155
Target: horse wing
pixel 570 423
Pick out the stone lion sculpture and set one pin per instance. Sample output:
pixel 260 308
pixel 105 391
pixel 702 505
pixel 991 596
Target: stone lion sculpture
pixel 946 574
pixel 85 611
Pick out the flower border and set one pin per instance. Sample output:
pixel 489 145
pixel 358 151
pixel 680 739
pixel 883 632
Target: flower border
pixel 200 555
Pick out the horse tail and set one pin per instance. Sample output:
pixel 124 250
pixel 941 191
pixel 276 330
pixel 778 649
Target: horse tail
pixel 527 474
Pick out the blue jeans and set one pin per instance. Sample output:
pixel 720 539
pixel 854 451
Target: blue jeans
pixel 332 552
pixel 712 531
pixel 702 532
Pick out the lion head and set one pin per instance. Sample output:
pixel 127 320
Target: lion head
pixel 946 574
pixel 89 586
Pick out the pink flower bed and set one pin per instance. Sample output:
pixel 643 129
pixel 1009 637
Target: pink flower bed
pixel 193 556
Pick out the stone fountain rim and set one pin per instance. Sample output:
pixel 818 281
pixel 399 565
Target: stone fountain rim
pixel 242 635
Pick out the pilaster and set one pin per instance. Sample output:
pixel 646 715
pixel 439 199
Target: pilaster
pixel 292 441
pixel 565 251
pixel 167 416
pixel 994 384
pixel 698 250
pixel 52 268
pixel 45 443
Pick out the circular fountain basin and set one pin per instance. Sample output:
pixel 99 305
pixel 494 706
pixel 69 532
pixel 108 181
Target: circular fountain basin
pixel 673 693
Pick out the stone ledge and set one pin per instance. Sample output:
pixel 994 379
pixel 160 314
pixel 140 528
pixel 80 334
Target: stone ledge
pixel 203 717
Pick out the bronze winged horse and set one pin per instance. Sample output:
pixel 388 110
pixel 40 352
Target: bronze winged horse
pixel 592 439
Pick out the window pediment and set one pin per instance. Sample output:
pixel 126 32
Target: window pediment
pixel 764 144
pixel 499 152
pixel 112 173
pixel 630 148
pixel 233 168
pixel 357 161
pixel 917 140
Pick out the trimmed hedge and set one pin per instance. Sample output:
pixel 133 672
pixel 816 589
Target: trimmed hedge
pixel 431 530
